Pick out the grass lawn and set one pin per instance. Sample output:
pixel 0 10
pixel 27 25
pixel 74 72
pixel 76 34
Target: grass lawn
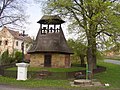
pixel 35 83
pixel 111 76
pixel 55 73
pixel 72 69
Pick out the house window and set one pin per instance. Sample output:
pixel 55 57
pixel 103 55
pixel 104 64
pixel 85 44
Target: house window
pixel 0 42
pixel 6 42
pixel 16 43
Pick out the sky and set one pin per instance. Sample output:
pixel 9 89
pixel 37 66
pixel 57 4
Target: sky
pixel 35 14
pixel 34 11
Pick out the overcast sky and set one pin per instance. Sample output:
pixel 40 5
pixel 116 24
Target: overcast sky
pixel 35 13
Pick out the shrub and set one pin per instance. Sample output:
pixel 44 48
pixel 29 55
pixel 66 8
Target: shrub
pixel 6 58
pixel 18 56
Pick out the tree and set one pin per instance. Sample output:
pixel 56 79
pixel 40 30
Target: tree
pixel 79 49
pixel 95 17
pixel 12 12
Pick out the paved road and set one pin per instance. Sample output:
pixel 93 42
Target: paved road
pixel 11 87
pixel 112 61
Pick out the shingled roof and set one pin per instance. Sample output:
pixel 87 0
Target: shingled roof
pixel 50 19
pixel 50 42
pixel 15 34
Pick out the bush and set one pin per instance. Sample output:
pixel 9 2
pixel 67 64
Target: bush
pixel 18 56
pixel 6 58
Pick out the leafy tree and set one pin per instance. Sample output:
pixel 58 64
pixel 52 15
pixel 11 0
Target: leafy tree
pixel 96 19
pixel 12 12
pixel 79 49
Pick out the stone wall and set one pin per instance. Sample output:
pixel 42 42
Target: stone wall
pixel 37 60
pixel 57 60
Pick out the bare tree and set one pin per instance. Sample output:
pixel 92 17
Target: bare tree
pixel 12 12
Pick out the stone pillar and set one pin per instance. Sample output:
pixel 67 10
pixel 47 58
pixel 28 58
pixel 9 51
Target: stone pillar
pixel 22 71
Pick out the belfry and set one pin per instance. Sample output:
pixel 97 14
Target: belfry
pixel 50 48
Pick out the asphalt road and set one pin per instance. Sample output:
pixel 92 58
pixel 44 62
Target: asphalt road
pixel 11 87
pixel 112 61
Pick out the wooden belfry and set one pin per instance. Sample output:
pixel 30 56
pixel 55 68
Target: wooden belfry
pixel 50 48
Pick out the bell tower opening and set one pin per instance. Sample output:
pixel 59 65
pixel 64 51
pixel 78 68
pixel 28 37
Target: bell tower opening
pixel 50 28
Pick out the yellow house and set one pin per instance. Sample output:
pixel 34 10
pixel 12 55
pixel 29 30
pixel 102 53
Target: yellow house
pixel 11 40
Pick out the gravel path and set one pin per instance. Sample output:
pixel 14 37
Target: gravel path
pixel 112 61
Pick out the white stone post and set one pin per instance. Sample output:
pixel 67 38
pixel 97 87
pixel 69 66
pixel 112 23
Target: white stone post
pixel 22 71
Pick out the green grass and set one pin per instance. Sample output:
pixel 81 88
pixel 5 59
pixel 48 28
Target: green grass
pixel 111 76
pixel 72 69
pixel 35 83
pixel 63 84
pixel 56 73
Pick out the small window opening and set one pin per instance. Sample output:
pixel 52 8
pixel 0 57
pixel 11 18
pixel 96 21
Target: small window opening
pixel 0 42
pixel 6 42
pixel 16 43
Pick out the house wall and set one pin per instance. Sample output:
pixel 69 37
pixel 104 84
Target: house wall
pixel 27 46
pixel 6 36
pixel 57 60
pixel 17 47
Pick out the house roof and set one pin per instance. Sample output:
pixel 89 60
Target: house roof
pixel 50 19
pixel 27 39
pixel 17 35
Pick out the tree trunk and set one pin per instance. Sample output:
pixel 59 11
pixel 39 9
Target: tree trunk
pixel 90 58
pixel 82 60
pixel 90 63
pixel 94 62
pixel 94 50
